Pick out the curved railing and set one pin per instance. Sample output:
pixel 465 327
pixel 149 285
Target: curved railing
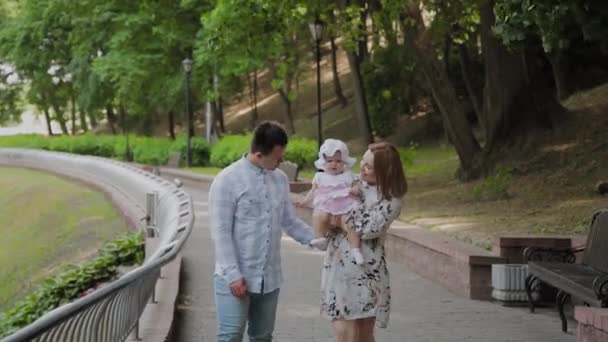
pixel 111 313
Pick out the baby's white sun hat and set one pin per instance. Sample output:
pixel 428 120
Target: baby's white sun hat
pixel 329 148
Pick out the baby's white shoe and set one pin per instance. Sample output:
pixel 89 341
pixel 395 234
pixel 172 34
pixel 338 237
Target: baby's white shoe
pixel 319 243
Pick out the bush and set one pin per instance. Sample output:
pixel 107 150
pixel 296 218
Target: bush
pixel 493 187
pixel 152 151
pixel 232 147
pixel 25 141
pixel 145 150
pixel 73 282
pixel 407 155
pixel 302 152
pixel 201 150
pixel 85 145
pixel 229 149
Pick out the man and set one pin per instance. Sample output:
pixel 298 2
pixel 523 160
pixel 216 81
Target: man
pixel 249 207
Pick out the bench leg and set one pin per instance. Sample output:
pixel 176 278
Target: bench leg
pixel 562 298
pixel 530 279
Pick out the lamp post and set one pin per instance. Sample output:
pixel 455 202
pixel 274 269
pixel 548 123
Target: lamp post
pixel 316 30
pixel 187 63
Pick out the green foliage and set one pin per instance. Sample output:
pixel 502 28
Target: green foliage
pixel 146 150
pixel 232 147
pixel 302 152
pixel 229 149
pixel 557 23
pixel 73 281
pixel 201 150
pixel 408 155
pixel 493 187
pixel 390 90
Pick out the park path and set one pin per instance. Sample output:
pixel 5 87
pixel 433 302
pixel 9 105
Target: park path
pixel 421 310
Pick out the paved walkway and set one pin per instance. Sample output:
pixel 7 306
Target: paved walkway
pixel 422 311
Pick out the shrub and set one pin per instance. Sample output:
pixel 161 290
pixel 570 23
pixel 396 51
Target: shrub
pixel 201 150
pixel 229 149
pixel 73 282
pixel 493 187
pixel 302 152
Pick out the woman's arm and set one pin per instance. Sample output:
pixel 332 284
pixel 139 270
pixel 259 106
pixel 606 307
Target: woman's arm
pixel 372 222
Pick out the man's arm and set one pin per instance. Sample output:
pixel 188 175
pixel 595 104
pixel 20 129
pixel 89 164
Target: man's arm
pixel 292 225
pixel 222 206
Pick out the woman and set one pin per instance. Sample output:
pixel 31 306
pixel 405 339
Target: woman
pixel 356 298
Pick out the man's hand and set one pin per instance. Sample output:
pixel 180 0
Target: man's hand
pixel 239 288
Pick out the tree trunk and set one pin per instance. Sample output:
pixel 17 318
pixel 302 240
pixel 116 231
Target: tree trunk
pixel 512 97
pixel 336 76
pixel 61 119
pixel 559 64
pixel 360 99
pixel 47 118
pixel 452 112
pixel 216 132
pixel 363 50
pixel 171 115
pixel 83 121
pixel 253 88
pixel 465 66
pixel 92 119
pixel 73 114
pixel 291 128
pixel 220 113
pixel 111 118
pixel 447 51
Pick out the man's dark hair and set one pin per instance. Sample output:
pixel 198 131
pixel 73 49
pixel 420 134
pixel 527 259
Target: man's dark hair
pixel 266 136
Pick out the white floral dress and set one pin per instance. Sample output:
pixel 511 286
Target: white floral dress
pixel 349 291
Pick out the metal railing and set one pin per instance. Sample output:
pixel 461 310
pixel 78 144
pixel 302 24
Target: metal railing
pixel 111 313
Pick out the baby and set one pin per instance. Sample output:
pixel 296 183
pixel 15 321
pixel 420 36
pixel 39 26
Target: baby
pixel 334 193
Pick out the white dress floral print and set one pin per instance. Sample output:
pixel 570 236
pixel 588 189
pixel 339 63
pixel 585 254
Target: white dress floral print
pixel 349 291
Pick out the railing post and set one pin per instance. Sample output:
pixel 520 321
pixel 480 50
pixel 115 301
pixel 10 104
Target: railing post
pixel 137 337
pixel 151 221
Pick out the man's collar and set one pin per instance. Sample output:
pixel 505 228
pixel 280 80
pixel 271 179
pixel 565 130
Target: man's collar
pixel 251 166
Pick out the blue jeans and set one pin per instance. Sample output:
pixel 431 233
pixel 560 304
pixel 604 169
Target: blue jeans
pixel 233 314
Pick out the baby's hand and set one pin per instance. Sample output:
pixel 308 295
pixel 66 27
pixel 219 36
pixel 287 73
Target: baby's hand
pixel 299 204
pixel 355 191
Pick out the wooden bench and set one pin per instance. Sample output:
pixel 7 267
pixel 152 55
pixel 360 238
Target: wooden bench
pixel 587 281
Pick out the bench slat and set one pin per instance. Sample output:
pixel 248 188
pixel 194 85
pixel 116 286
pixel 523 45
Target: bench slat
pixel 574 279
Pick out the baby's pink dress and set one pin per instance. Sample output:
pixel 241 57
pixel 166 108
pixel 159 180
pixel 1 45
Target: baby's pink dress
pixel 332 193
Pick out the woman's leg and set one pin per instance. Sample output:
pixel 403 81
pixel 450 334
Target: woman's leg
pixel 365 329
pixel 345 330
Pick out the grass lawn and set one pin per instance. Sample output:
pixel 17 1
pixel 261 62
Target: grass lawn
pixel 47 222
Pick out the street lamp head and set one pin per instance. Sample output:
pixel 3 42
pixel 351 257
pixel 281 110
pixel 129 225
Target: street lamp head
pixel 187 63
pixel 316 29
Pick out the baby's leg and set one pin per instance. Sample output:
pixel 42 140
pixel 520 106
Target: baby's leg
pixel 354 240
pixel 320 222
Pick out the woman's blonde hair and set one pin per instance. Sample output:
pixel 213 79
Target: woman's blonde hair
pixel 390 177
